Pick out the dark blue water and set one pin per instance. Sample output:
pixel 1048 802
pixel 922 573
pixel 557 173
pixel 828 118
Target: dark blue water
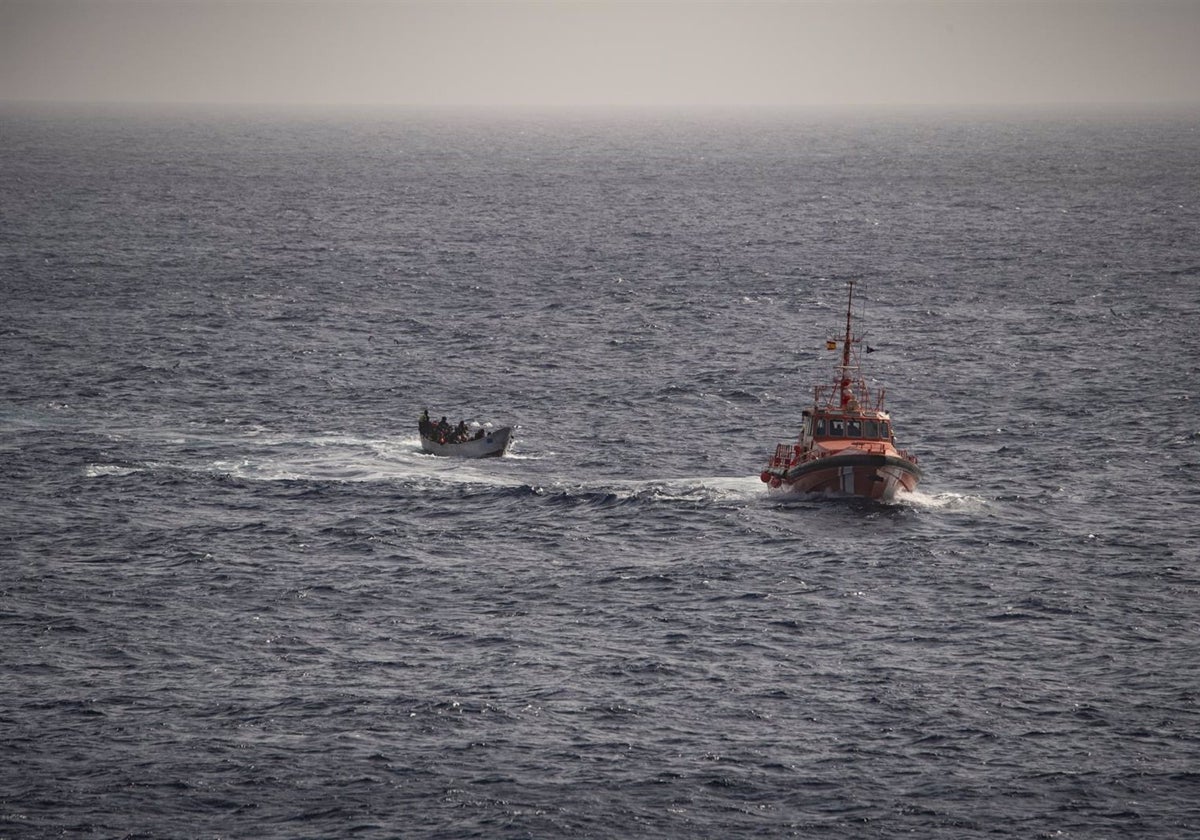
pixel 238 601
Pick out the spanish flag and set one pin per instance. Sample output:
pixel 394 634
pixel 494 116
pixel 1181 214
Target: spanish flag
pixel 831 344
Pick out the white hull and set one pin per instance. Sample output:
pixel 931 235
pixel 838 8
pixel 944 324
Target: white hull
pixel 492 445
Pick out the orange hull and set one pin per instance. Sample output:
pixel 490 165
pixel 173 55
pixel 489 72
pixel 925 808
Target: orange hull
pixel 877 477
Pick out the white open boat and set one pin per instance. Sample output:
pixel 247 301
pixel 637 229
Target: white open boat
pixel 486 443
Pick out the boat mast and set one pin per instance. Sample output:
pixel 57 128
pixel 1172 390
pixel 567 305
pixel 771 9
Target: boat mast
pixel 847 395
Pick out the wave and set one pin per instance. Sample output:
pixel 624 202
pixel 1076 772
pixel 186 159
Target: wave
pixel 101 470
pixel 946 501
pixel 692 490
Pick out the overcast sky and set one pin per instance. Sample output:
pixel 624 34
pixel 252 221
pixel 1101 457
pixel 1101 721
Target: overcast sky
pixel 602 52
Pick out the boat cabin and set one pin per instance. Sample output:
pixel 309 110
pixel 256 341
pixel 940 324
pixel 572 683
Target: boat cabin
pixel 834 426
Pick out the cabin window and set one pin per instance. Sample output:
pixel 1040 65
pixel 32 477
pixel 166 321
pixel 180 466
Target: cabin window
pixel 836 427
pixel 854 427
pixel 884 431
pixel 872 430
pixel 820 427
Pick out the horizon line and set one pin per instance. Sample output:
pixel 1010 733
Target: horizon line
pixel 1141 104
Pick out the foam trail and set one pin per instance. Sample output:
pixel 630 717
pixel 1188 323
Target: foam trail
pixel 941 501
pixel 716 488
pixel 260 454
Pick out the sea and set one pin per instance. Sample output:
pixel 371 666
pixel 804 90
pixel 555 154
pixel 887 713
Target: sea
pixel 239 601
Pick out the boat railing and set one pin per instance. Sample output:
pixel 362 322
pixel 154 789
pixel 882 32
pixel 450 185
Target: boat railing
pixel 783 455
pixel 829 396
pixel 788 455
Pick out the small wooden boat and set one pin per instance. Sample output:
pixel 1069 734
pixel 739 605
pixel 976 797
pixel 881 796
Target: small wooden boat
pixel 458 443
pixel 846 445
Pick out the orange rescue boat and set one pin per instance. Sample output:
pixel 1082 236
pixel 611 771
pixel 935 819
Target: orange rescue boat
pixel 846 445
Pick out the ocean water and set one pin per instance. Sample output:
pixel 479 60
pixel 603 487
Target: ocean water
pixel 238 601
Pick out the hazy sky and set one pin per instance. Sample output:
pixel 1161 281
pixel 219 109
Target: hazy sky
pixel 602 52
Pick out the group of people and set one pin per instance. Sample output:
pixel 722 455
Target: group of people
pixel 443 432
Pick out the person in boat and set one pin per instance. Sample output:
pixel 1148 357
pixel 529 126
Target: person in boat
pixel 423 423
pixel 460 433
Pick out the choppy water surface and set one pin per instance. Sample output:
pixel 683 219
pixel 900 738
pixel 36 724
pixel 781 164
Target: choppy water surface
pixel 239 601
